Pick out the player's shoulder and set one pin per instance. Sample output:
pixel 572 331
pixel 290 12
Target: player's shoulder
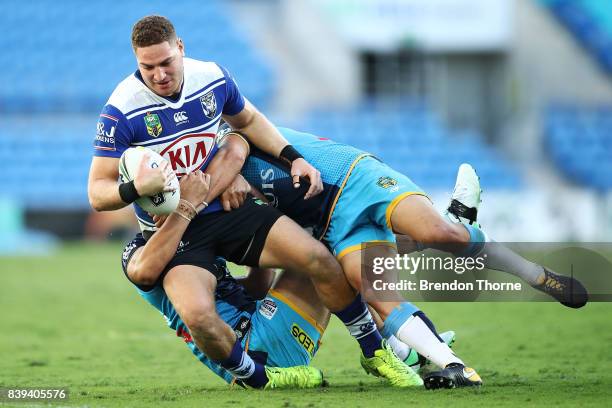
pixel 200 74
pixel 130 95
pixel 296 137
pixel 199 67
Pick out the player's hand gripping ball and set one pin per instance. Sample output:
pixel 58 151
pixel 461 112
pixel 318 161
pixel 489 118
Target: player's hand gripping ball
pixel 166 198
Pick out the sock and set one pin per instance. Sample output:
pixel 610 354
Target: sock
pixel 476 244
pixel 501 258
pixel 397 317
pixel 400 349
pixel 242 366
pixel 358 320
pixel 413 328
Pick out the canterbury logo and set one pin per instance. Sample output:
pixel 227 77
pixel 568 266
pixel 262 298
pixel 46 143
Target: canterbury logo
pixel 180 117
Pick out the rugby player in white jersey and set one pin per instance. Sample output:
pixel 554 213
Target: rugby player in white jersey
pixel 173 105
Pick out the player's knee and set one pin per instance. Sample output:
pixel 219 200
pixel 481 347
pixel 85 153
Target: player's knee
pixel 445 233
pixel 143 279
pixel 201 320
pixel 321 263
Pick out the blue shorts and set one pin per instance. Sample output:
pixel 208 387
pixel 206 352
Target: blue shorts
pixel 273 331
pixel 362 213
pixel 281 329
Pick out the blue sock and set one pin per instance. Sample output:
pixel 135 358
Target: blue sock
pixel 398 317
pixel 242 366
pixel 476 244
pixel 357 318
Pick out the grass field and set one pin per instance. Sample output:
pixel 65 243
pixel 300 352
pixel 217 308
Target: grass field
pixel 72 320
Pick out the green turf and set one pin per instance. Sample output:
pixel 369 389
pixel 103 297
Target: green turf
pixel 72 320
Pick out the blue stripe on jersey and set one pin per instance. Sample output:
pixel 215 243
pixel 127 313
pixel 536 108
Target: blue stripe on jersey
pixel 216 82
pixel 202 90
pixel 157 105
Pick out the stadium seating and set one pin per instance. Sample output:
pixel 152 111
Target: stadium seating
pixel 57 79
pixel 591 23
pixel 45 159
pixel 74 63
pixel 410 138
pixel 578 139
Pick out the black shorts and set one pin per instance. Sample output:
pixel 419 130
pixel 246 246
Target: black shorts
pixel 238 236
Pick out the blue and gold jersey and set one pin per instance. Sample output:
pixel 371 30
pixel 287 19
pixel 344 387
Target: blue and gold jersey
pixel 272 177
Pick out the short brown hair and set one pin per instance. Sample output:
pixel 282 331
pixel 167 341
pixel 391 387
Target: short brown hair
pixel 151 30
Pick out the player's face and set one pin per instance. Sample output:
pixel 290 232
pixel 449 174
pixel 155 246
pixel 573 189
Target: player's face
pixel 161 66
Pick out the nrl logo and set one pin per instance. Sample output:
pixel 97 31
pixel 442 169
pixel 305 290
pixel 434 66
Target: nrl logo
pixel 386 182
pixel 209 104
pixel 154 127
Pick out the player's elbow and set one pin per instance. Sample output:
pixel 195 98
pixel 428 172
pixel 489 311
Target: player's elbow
pixel 233 153
pixel 237 153
pixel 95 203
pixel 95 200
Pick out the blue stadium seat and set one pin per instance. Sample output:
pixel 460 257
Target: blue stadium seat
pixel 83 51
pixel 46 161
pixel 413 140
pixel 590 21
pixel 580 145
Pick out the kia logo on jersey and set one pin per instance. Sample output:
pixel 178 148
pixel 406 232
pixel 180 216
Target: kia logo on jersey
pixel 188 152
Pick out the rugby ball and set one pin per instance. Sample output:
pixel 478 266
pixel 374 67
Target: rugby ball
pixel 161 203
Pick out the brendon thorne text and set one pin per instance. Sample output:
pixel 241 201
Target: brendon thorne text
pixel 425 285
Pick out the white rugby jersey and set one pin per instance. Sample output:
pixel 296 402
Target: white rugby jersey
pixel 182 131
